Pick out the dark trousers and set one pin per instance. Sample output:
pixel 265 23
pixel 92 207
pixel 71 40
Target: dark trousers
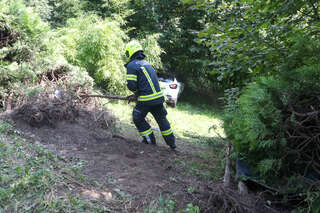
pixel 159 113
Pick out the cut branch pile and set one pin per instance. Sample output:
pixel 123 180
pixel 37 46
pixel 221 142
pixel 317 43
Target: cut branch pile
pixel 226 199
pixel 302 129
pixel 47 110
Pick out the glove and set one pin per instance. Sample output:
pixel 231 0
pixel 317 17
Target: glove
pixel 132 98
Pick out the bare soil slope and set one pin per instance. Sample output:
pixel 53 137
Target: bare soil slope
pixel 127 169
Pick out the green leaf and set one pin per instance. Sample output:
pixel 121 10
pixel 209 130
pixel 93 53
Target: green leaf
pixel 316 205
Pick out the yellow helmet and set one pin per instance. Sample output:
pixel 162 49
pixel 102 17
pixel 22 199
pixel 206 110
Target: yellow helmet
pixel 132 47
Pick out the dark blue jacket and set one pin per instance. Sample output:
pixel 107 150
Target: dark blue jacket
pixel 143 81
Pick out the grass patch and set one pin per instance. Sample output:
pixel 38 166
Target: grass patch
pixel 208 165
pixel 188 121
pixel 34 180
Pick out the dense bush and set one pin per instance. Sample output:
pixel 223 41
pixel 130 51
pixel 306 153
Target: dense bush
pixel 262 123
pixel 63 10
pixel 96 45
pixel 86 41
pixel 22 56
pixel 255 126
pixel 28 53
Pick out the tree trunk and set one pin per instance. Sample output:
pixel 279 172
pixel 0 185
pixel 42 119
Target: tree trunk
pixel 227 175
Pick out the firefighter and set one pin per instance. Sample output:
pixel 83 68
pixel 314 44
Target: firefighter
pixel 143 82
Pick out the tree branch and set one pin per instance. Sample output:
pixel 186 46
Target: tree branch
pixel 115 97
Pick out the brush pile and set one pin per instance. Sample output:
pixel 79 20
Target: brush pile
pixel 46 110
pixel 302 131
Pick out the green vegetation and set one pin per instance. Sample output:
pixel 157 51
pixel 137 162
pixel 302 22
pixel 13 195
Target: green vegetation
pixel 168 206
pixel 263 54
pixel 96 45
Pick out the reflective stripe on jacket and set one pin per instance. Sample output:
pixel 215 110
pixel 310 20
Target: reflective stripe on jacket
pixel 142 79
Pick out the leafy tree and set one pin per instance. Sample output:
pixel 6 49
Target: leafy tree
pixel 96 45
pixel 27 52
pixel 261 122
pixel 152 50
pixel 56 12
pixel 64 10
pixel 42 7
pixel 252 38
pixel 116 9
pixel 177 29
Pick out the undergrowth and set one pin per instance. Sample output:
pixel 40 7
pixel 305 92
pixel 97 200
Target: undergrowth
pixel 162 205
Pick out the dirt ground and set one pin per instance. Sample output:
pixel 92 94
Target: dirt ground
pixel 138 173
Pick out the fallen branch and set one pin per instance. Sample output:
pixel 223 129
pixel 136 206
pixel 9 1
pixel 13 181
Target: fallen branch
pixel 115 97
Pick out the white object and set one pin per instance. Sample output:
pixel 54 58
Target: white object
pixel 171 89
pixel 57 93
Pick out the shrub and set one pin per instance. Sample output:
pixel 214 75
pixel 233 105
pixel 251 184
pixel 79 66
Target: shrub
pixel 269 123
pixel 42 7
pixel 28 53
pixel 63 10
pixel 97 45
pixel 255 128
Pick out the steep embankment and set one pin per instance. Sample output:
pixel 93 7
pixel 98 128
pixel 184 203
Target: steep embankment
pixel 116 169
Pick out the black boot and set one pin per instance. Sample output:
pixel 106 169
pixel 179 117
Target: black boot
pixel 170 141
pixel 149 139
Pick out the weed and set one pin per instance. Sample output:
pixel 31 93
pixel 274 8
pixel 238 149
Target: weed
pixel 191 189
pixel 122 195
pixel 111 180
pixel 5 127
pixel 162 205
pixel 192 209
pixel 208 170
pixel 173 179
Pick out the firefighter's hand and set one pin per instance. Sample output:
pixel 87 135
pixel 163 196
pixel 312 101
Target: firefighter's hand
pixel 132 98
